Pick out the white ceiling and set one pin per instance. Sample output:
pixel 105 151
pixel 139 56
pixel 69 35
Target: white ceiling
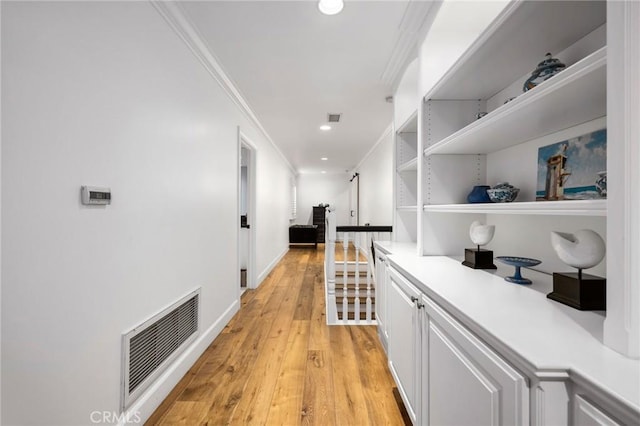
pixel 294 65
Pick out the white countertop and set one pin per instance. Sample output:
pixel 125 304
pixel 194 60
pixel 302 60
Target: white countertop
pixel 548 336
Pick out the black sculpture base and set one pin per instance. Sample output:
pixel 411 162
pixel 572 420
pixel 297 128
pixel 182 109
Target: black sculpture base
pixel 478 259
pixel 580 291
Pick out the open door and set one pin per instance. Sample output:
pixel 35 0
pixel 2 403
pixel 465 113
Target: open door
pixel 246 209
pixel 354 200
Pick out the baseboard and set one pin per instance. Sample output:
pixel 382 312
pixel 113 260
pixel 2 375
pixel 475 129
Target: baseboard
pixel 270 267
pixel 144 407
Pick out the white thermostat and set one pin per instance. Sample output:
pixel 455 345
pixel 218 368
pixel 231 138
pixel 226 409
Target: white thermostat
pixel 92 195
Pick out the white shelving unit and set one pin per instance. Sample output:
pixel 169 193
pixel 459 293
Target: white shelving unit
pixel 549 108
pixel 461 151
pixel 406 180
pixel 598 42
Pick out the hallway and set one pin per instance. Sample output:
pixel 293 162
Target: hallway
pixel 278 363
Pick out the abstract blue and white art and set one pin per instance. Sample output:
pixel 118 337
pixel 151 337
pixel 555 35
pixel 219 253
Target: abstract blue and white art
pixel 574 169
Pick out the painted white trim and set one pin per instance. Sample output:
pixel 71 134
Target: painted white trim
pixel 144 407
pixel 388 131
pixel 178 20
pixel 418 17
pixel 270 267
pixel 0 213
pixel 622 324
pixel 252 183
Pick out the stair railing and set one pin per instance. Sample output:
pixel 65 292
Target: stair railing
pixel 349 301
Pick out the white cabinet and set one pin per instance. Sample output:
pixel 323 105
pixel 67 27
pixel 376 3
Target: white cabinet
pixel 381 298
pixel 587 414
pixel 404 340
pixel 445 374
pixel 463 368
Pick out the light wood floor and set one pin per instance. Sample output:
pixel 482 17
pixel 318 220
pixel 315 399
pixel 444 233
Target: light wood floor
pixel 278 363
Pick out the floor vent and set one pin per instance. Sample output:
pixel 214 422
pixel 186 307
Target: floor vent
pixel 149 348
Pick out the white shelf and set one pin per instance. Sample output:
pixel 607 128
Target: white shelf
pixel 410 165
pixel 513 44
pixel 407 208
pixel 411 125
pixel 564 208
pixel 548 108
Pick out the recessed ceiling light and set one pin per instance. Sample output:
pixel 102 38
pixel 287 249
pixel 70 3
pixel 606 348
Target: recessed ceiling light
pixel 324 158
pixel 330 7
pixel 325 127
pixel 324 171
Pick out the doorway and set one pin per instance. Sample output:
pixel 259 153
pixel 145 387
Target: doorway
pixel 247 215
pixel 354 200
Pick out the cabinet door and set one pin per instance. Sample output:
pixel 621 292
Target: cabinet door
pixel 403 338
pixel 381 299
pixel 469 384
pixel 587 414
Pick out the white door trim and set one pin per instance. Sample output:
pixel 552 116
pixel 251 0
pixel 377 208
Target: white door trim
pixel 244 141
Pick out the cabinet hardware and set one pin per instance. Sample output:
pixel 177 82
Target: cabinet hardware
pixel 414 299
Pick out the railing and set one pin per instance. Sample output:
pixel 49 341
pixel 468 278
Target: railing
pixel 350 281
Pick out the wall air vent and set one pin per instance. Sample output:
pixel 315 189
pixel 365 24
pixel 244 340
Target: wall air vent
pixel 150 347
pixel 333 118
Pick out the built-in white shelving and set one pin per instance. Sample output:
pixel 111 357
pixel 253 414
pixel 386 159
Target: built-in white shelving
pixel 411 165
pixel 458 151
pixel 574 96
pixel 462 151
pixel 563 208
pixel 506 51
pixel 406 179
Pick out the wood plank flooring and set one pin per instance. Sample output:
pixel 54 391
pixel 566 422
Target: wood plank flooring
pixel 278 363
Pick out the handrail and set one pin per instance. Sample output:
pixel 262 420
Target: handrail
pixel 365 228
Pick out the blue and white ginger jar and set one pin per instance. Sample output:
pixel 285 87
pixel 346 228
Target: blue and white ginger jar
pixel 544 71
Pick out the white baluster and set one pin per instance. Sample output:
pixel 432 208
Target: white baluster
pixel 369 266
pixel 356 301
pixel 330 265
pixel 345 276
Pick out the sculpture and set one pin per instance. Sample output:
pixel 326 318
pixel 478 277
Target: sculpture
pixel 582 250
pixel 479 258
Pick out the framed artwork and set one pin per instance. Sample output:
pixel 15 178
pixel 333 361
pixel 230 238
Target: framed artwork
pixel 575 169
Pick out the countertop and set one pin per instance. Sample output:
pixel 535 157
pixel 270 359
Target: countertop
pixel 549 338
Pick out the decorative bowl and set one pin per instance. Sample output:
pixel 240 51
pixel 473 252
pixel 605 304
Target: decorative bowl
pixel 503 193
pixel 518 262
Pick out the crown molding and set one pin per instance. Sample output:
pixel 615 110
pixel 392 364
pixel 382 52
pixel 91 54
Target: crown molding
pixel 177 19
pixel 417 19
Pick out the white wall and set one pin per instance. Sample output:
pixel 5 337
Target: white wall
pixel 406 99
pixel 329 188
pixel 376 183
pixel 107 94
